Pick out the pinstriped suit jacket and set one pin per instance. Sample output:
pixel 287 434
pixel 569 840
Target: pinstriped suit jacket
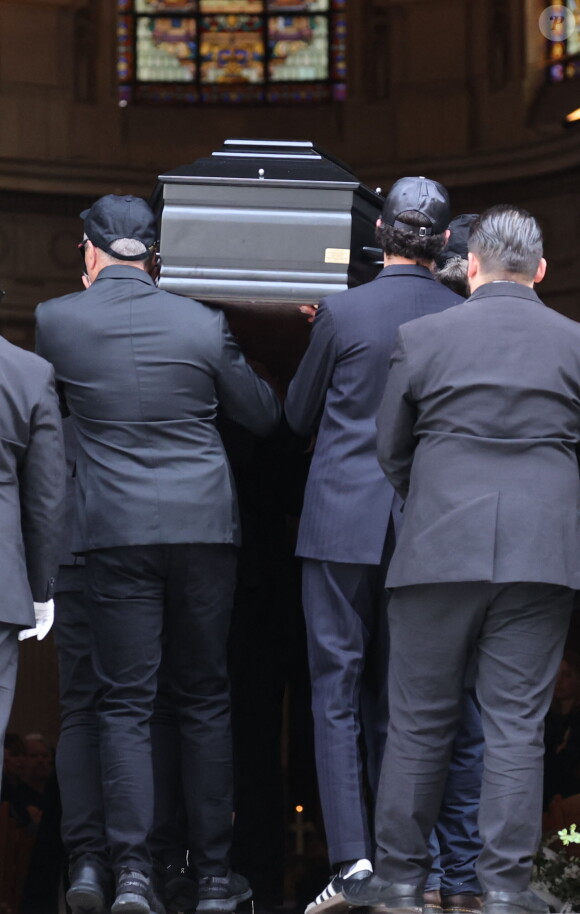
pixel 337 391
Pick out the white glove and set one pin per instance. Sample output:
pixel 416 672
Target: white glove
pixel 44 613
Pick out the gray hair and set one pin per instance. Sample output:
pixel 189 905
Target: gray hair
pixel 507 241
pixel 453 274
pixel 124 247
pixel 128 247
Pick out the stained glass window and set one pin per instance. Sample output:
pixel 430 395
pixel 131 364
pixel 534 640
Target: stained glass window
pixel 563 34
pixel 225 51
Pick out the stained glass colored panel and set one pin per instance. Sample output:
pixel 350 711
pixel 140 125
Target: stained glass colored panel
pixel 298 48
pixel 297 6
pixel 166 6
pixel 231 51
pixel 125 54
pixel 231 24
pixel 338 48
pixel 166 49
pixel 573 43
pixel 232 56
pixel 231 6
pixel 564 54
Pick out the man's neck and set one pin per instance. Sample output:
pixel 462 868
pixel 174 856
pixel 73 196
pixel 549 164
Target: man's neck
pixel 390 260
pixel 483 280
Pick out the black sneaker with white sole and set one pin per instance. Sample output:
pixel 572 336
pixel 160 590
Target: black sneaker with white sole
pixel 222 893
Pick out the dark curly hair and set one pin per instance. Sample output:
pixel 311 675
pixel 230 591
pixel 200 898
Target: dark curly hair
pixel 411 245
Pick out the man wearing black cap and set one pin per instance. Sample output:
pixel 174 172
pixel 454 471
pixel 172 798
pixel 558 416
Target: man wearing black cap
pixel 349 516
pixel 142 373
pixel 451 265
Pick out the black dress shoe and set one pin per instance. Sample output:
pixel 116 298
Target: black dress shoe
pixel 395 897
pixel 514 903
pixel 90 888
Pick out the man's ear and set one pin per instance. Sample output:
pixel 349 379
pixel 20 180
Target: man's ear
pixel 472 265
pixel 447 234
pixel 541 271
pixel 91 254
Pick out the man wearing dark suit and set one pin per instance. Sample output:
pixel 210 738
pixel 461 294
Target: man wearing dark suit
pixel 32 493
pixel 347 525
pixel 478 432
pixel 143 373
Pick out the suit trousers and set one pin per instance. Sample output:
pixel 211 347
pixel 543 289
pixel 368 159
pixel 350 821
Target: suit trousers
pixel 346 626
pixel 455 844
pixel 140 597
pixel 345 606
pixel 517 631
pixel 8 667
pixel 77 754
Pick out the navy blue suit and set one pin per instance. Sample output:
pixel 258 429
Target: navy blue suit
pixel 347 533
pixel 336 393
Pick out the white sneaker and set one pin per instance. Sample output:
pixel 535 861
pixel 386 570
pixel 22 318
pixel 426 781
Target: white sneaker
pixel 331 897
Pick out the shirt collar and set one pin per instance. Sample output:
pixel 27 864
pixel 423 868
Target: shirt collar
pixel 118 271
pixel 505 289
pixel 406 269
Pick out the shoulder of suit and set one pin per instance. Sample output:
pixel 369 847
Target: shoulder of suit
pixel 24 360
pixel 345 302
pixel 427 323
pixel 555 317
pixel 62 299
pixel 92 295
pixel 379 290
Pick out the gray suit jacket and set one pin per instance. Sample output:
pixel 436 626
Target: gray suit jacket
pixel 143 373
pixel 336 392
pixel 478 430
pixel 31 483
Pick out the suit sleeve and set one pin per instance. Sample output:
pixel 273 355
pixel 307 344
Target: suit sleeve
pixel 42 349
pixel 243 395
pixel 307 392
pixel 396 418
pixel 41 479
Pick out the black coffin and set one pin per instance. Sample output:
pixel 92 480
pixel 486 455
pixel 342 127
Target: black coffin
pixel 263 221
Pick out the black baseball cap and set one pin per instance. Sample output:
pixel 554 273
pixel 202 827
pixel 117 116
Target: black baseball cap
pixel 460 229
pixel 113 217
pixel 417 195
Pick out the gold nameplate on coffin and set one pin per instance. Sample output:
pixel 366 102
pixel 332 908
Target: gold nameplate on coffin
pixel 337 255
